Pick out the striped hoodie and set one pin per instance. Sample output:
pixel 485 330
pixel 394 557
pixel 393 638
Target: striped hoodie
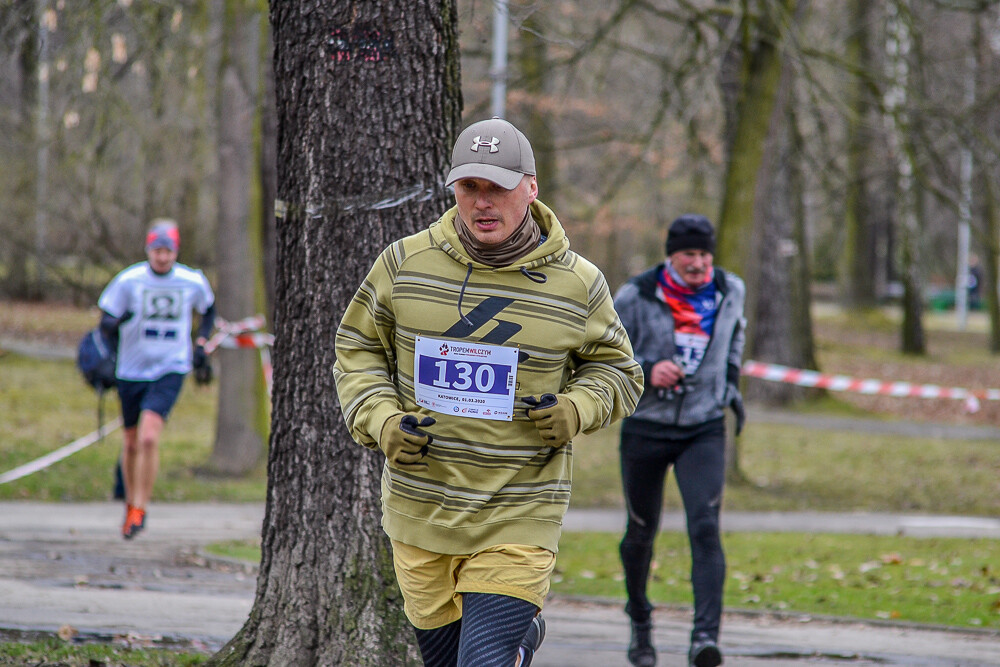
pixel 488 482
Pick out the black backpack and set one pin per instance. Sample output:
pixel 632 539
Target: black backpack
pixel 95 357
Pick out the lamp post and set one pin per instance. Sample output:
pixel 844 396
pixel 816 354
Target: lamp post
pixel 498 69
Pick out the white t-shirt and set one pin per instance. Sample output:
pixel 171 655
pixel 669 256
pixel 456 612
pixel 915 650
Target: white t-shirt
pixel 156 340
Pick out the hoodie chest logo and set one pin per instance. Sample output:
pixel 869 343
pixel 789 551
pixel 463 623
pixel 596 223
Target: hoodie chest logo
pixel 479 316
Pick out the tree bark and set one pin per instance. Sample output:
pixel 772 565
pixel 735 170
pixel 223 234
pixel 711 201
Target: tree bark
pixel 268 174
pixel 24 50
pixel 898 45
pixel 533 61
pixel 758 95
pixel 860 259
pixel 782 329
pixel 991 220
pixel 759 79
pixel 986 196
pixel 369 104
pixel 239 442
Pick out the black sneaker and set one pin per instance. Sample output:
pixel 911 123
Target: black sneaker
pixel 704 652
pixel 532 639
pixel 640 650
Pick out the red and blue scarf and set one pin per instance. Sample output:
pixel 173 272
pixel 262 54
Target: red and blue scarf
pixel 694 316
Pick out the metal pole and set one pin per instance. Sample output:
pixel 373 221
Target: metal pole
pixel 498 71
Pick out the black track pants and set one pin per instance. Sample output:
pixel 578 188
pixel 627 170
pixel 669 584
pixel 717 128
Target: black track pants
pixel 699 466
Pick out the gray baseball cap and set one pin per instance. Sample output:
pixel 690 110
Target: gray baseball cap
pixel 492 149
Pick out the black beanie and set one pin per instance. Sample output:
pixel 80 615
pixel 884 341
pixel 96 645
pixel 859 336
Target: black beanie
pixel 691 232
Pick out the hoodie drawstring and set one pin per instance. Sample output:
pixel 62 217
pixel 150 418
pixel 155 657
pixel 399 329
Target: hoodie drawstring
pixel 534 276
pixel 461 295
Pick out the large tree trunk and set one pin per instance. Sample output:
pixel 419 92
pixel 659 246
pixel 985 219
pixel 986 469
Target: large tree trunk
pixel 24 49
pixel 991 221
pixel 268 174
pixel 369 103
pixel 758 82
pixel 239 442
pixel 757 96
pixel 860 259
pixel 780 267
pixel 986 194
pixel 533 61
pixel 898 45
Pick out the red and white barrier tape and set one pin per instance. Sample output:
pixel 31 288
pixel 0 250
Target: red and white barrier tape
pixel 807 378
pixel 245 340
pixel 227 329
pixel 245 333
pixel 59 454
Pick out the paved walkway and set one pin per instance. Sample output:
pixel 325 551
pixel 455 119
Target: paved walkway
pixel 66 565
pixel 858 523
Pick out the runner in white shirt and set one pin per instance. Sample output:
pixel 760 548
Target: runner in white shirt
pixel 147 308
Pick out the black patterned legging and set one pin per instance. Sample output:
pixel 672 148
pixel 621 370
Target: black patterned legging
pixel 488 634
pixel 699 466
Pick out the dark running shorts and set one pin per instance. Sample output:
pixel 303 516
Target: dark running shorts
pixel 157 395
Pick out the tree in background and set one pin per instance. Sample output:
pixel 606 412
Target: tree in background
pixel 123 133
pixel 983 137
pixel 760 35
pixel 243 404
pixel 778 261
pixel 369 104
pixel 861 259
pixel 19 32
pixel 899 121
pixel 756 215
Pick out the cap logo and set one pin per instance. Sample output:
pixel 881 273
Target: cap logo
pixel 493 143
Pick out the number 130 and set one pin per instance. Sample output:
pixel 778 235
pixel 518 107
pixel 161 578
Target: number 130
pixel 483 376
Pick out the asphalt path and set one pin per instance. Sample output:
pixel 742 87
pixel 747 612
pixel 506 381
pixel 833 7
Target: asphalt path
pixel 65 567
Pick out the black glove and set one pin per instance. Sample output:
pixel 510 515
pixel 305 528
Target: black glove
pixel 555 417
pixel 404 443
pixel 736 403
pixel 202 369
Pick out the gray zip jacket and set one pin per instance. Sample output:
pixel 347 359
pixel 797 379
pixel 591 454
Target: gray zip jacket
pixel 650 327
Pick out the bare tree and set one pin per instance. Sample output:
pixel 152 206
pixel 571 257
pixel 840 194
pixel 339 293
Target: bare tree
pixel 760 36
pixel 984 137
pixel 20 48
pixel 755 219
pixel 368 107
pixel 898 118
pixel 860 257
pixel 239 440
pixel 779 263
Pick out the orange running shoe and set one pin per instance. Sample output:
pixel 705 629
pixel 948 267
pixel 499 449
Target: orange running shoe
pixel 135 520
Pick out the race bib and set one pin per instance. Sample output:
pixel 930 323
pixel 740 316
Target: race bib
pixel 466 379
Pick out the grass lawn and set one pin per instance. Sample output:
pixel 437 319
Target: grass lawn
pixel 57 653
pixel 44 405
pixel 790 468
pixel 952 582
pixel 36 419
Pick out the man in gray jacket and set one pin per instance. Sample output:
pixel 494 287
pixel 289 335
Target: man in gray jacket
pixel 685 320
